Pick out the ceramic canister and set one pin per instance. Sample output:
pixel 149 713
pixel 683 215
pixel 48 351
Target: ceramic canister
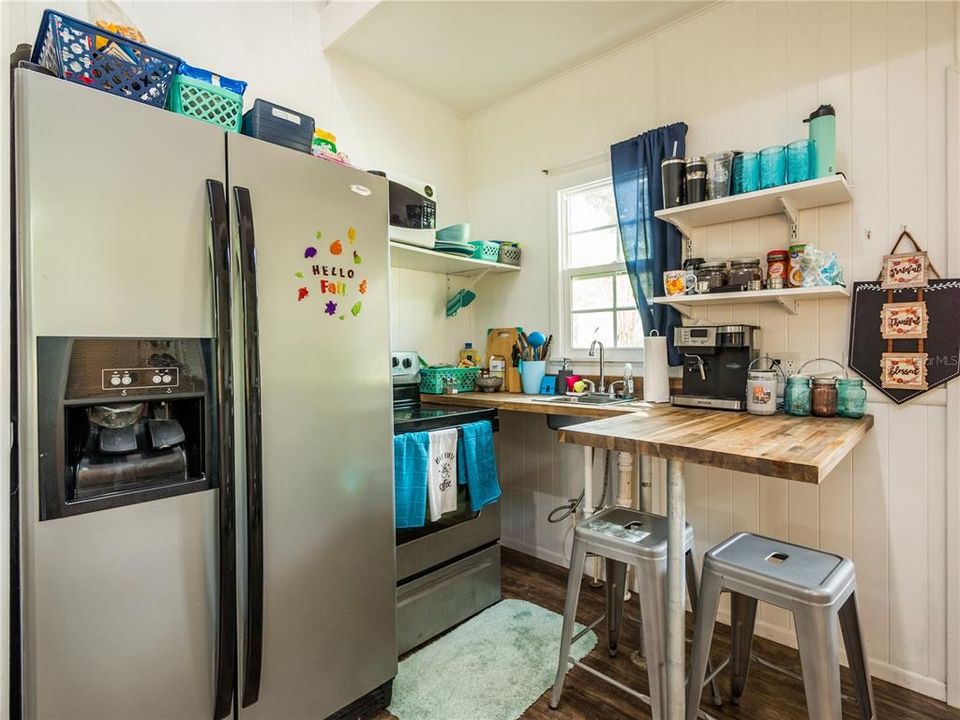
pixel 762 392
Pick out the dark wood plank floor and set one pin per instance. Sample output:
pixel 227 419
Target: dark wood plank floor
pixel 769 695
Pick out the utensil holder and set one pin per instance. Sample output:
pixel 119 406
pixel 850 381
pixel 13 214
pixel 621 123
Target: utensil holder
pixel 531 375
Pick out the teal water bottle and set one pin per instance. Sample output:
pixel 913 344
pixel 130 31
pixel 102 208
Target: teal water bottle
pixel 823 132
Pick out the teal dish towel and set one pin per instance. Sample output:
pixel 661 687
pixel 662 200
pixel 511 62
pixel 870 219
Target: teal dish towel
pixel 477 464
pixel 410 458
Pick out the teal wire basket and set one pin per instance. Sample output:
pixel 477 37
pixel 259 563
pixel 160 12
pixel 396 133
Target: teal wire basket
pixel 433 380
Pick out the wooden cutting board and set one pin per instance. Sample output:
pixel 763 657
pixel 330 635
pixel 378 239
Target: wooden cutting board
pixel 500 342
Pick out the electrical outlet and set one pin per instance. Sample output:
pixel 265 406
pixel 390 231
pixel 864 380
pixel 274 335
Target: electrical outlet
pixel 789 362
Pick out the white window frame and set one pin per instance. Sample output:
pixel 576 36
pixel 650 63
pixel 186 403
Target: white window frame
pixel 560 275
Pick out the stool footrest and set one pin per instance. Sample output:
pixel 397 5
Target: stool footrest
pixel 716 671
pixel 606 678
pixel 588 628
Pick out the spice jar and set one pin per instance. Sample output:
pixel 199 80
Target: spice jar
pixel 796 398
pixel 851 398
pixel 744 270
pixel 714 273
pixel 777 264
pixel 823 397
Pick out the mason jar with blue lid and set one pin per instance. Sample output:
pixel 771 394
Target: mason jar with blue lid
pixel 851 398
pixel 796 397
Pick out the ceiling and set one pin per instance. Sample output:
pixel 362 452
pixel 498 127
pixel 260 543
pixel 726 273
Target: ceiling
pixel 471 53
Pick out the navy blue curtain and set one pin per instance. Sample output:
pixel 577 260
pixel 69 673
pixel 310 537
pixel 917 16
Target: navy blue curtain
pixel 650 246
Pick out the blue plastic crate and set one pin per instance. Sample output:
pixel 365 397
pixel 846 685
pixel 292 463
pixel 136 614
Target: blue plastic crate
pixel 85 54
pixel 279 125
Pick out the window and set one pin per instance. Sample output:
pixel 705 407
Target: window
pixel 597 300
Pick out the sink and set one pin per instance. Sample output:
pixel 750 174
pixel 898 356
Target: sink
pixel 556 422
pixel 596 399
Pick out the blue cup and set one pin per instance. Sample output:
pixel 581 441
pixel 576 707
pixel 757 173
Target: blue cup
pixel 746 173
pixel 801 161
pixel 773 166
pixel 531 375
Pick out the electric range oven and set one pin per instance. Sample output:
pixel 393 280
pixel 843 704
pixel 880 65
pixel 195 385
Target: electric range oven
pixel 448 570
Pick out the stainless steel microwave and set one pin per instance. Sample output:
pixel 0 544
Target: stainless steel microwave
pixel 413 209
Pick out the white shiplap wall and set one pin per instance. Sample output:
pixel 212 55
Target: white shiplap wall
pixel 744 75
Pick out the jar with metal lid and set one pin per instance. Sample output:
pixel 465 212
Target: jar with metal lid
pixel 851 398
pixel 778 261
pixel 761 392
pixel 714 273
pixel 743 271
pixel 690 266
pixel 796 398
pixel 823 397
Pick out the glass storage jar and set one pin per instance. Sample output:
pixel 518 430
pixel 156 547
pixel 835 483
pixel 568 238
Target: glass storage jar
pixel 851 398
pixel 714 273
pixel 823 397
pixel 796 398
pixel 743 270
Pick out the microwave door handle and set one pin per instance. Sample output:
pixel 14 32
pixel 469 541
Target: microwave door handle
pixel 253 636
pixel 226 662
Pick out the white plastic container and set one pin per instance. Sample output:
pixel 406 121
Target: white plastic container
pixel 762 392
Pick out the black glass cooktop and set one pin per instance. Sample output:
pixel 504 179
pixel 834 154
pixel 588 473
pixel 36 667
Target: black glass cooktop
pixel 433 417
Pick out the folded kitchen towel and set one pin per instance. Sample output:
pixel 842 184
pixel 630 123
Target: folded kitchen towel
pixel 410 453
pixel 442 475
pixel 477 464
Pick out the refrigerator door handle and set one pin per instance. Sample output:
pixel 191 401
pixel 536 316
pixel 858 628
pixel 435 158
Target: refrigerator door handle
pixel 227 604
pixel 253 635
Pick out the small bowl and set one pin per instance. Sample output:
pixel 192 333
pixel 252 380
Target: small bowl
pixel 489 383
pixel 455 233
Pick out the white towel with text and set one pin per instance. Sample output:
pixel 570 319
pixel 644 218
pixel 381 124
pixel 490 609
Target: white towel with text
pixel 442 474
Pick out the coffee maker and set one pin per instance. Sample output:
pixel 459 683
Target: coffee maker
pixel 715 362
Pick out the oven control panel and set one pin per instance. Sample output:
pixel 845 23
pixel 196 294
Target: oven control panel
pixel 405 366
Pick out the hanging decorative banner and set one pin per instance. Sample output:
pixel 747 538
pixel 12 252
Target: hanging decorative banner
pixel 917 346
pixel 906 270
pixel 904 371
pixel 906 320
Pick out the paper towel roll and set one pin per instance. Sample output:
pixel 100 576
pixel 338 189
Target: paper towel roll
pixel 656 382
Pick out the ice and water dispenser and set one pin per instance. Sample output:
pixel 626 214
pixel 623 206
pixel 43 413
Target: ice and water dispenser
pixel 122 421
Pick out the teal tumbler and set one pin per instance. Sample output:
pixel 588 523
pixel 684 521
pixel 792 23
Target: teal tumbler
pixel 773 166
pixel 800 161
pixel 746 173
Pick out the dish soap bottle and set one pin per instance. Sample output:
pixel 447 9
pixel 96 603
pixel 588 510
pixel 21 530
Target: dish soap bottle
pixel 627 380
pixel 469 357
pixel 562 376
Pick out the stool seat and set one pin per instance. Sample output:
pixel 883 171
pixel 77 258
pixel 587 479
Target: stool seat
pixel 808 575
pixel 817 587
pixel 642 534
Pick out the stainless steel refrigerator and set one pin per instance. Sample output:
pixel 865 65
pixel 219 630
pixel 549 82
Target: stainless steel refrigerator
pixel 203 421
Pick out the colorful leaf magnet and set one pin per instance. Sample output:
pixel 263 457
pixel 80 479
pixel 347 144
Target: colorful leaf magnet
pixel 351 234
pixel 302 293
pixel 319 234
pixel 363 287
pixel 356 258
pixel 299 275
pixel 310 252
pixel 355 310
pixel 336 247
pixel 331 308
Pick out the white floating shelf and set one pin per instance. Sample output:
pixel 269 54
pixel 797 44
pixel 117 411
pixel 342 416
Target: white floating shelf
pixel 787 298
pixel 412 257
pixel 785 199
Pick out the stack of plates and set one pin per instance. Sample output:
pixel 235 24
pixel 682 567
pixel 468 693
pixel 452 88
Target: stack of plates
pixel 453 246
pixel 455 239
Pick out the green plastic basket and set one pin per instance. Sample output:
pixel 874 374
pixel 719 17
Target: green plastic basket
pixel 203 101
pixel 485 250
pixel 432 380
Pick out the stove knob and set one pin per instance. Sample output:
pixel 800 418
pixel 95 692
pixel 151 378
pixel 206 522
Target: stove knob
pixel 126 380
pixel 395 361
pixel 167 378
pixel 407 363
pixel 156 379
pixel 115 380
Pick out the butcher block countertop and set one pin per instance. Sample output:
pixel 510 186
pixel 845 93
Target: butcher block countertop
pixel 795 448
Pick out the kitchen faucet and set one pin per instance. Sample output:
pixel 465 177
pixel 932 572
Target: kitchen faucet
pixel 593 347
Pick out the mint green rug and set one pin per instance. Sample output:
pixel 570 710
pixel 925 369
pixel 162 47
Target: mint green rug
pixel 493 667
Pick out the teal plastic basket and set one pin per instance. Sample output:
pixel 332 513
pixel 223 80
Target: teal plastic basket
pixel 432 380
pixel 485 250
pixel 203 101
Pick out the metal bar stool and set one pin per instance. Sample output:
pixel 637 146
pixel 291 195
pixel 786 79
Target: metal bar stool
pixel 626 537
pixel 815 586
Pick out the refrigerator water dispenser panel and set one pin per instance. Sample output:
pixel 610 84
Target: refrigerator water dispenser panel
pixel 122 421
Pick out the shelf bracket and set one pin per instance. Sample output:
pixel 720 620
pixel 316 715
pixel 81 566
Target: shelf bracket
pixel 471 277
pixel 686 310
pixel 788 304
pixel 685 230
pixel 791 213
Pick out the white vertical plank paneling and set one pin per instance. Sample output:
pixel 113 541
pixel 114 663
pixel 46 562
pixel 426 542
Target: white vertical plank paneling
pixel 908 587
pixel 871 550
pixel 773 501
pixel 936 432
